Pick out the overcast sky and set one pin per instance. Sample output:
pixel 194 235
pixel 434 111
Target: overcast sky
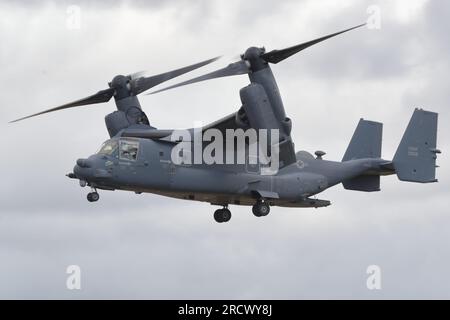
pixel 146 246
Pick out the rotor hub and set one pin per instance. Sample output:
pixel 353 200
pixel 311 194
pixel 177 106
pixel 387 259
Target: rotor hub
pixel 121 84
pixel 119 81
pixel 253 56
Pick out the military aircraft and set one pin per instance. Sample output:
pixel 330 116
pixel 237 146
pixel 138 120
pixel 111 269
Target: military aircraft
pixel 140 158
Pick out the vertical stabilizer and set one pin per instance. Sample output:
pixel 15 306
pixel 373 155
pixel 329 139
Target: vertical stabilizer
pixel 415 159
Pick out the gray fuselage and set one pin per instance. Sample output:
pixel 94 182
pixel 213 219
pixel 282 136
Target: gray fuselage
pixel 151 170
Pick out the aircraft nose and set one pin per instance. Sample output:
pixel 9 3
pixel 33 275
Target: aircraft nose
pixel 91 169
pixel 84 163
pixel 81 172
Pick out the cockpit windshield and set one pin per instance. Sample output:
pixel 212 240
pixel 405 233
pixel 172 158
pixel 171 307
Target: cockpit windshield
pixel 108 148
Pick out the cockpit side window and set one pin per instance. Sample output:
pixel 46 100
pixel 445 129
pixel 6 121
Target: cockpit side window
pixel 108 148
pixel 128 150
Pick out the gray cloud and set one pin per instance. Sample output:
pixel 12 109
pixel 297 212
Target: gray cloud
pixel 145 246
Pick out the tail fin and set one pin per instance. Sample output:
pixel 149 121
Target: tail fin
pixel 365 143
pixel 415 159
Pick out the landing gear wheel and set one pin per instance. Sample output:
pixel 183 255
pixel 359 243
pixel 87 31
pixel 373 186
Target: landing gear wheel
pixel 255 211
pixel 261 209
pixel 226 215
pixel 93 196
pixel 222 215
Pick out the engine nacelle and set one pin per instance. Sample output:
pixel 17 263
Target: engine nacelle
pixel 259 110
pixel 260 115
pixel 119 120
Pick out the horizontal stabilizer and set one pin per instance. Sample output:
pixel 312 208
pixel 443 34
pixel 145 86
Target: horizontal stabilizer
pixel 363 183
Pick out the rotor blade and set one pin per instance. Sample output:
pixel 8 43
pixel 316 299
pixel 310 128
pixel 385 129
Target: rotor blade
pixel 142 84
pixel 99 97
pixel 138 74
pixel 233 69
pixel 276 56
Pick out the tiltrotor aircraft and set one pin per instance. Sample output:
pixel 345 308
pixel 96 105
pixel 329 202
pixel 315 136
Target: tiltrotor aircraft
pixel 139 157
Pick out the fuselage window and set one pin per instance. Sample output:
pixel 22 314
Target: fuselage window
pixel 128 150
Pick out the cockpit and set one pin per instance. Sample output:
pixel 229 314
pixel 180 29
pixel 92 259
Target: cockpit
pixel 108 148
pixel 128 149
pixel 124 149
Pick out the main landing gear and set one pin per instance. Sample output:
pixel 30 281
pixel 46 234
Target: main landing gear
pixel 222 215
pixel 93 196
pixel 261 209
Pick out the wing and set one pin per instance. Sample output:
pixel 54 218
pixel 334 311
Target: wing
pixel 234 121
pixel 240 120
